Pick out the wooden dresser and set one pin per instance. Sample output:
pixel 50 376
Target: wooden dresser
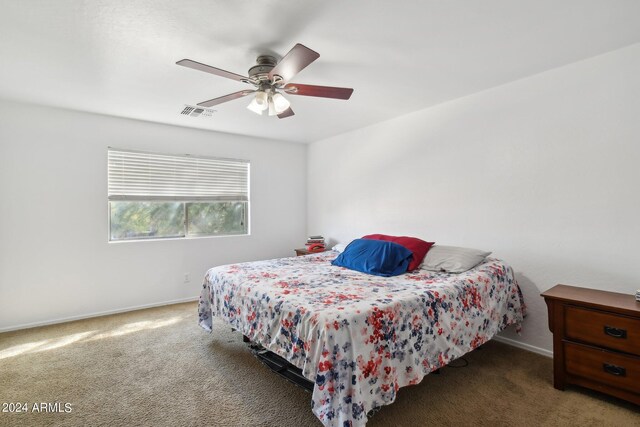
pixel 596 340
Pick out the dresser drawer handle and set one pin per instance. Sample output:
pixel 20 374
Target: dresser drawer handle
pixel 618 371
pixel 615 332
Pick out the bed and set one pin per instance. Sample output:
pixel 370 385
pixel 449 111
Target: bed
pixel 359 337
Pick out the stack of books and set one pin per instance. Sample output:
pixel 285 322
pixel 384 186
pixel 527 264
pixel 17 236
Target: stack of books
pixel 315 244
pixel 638 295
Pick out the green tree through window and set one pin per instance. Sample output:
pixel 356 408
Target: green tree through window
pixel 216 218
pixel 153 220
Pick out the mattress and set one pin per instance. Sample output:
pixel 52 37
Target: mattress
pixel 359 337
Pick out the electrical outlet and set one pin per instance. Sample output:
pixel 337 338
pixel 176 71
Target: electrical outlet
pixel 187 277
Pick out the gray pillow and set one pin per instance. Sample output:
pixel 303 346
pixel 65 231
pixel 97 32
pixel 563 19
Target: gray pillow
pixel 340 247
pixel 453 259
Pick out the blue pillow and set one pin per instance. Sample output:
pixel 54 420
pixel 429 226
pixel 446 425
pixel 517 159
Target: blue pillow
pixel 377 257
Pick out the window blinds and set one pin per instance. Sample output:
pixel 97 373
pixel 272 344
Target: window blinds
pixel 147 176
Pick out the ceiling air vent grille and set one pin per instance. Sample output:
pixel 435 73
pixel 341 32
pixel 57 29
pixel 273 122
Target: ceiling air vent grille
pixel 190 110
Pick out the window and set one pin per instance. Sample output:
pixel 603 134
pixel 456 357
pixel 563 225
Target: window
pixel 155 196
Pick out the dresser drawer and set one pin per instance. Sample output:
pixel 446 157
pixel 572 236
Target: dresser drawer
pixel 606 367
pixel 603 329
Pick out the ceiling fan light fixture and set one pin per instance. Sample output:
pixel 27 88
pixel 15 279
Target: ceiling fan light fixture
pixel 262 99
pixel 280 103
pixel 272 107
pixel 253 106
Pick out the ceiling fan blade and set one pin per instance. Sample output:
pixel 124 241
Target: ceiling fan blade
pixel 293 62
pixel 230 97
pixel 286 113
pixel 212 70
pixel 320 91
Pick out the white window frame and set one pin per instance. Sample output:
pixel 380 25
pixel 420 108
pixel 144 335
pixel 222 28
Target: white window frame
pixel 197 185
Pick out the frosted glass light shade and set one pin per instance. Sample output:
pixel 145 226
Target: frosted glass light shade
pixel 253 106
pixel 272 108
pixel 280 103
pixel 262 100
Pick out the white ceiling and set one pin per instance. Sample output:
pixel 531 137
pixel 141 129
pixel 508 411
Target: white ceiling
pixel 118 57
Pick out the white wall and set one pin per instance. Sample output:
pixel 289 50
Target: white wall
pixel 543 171
pixel 55 261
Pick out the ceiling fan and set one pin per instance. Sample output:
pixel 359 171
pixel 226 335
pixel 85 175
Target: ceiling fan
pixel 271 79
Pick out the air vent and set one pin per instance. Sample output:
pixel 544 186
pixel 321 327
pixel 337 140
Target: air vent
pixel 190 110
pixel 187 110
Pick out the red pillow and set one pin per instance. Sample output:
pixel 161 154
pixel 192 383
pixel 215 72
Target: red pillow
pixel 418 247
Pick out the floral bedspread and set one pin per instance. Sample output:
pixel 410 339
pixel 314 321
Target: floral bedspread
pixel 359 337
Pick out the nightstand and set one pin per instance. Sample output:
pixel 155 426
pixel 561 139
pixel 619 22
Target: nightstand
pixel 596 340
pixel 304 251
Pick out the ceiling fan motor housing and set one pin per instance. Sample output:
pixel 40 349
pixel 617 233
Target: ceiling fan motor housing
pixel 264 64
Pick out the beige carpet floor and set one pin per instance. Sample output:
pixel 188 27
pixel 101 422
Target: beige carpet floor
pixel 156 367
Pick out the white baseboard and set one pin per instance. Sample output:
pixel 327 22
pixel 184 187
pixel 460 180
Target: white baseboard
pixel 524 346
pixel 98 314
